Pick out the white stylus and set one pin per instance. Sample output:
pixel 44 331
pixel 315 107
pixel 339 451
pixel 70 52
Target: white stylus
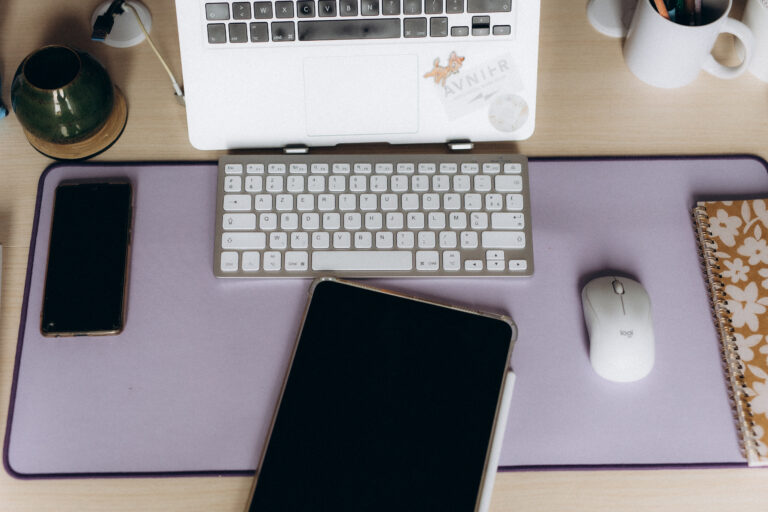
pixel 498 438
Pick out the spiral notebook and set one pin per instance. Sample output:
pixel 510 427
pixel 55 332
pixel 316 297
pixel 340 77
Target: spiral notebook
pixel 732 237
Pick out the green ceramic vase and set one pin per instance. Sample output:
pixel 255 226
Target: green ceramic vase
pixel 61 95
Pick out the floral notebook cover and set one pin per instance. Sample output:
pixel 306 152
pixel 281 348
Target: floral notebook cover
pixel 732 237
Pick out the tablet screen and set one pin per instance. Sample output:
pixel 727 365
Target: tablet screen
pixel 389 404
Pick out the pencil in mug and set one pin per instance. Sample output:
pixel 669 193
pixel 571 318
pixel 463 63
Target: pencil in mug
pixel 697 11
pixel 661 8
pixel 690 11
pixel 680 12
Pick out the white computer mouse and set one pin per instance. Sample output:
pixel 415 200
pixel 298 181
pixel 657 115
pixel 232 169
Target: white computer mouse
pixel 617 311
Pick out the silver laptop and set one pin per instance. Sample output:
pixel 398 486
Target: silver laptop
pixel 275 73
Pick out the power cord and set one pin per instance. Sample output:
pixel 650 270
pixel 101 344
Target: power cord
pixel 103 26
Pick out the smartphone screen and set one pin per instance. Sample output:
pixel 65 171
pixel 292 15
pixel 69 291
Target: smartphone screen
pixel 86 276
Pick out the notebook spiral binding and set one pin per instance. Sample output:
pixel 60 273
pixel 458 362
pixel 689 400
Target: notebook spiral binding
pixel 732 364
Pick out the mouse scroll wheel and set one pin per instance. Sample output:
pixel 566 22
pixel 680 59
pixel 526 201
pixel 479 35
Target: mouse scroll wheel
pixel 618 287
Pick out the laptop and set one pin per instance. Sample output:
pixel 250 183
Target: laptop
pixel 278 73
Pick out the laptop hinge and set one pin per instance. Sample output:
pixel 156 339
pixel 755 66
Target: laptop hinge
pixel 460 145
pixel 296 149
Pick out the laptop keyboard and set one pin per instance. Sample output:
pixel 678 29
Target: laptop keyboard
pixel 373 216
pixel 243 23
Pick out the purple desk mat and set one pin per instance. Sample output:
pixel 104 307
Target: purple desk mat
pixel 191 384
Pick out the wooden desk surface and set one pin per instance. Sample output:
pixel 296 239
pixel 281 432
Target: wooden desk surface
pixel 588 104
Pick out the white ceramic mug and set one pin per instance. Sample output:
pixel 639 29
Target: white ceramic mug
pixel 756 18
pixel 666 54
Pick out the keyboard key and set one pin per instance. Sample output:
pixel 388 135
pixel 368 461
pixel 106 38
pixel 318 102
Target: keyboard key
pixel 299 240
pixel 239 221
pixel 514 201
pixel 489 5
pixel 273 261
pixel 296 261
pixel 217 33
pixel 406 240
pixel 506 183
pixel 251 260
pixel 369 7
pixel 481 25
pixel 262 10
pixel 503 239
pixel 415 27
pixel 342 240
pixel 362 260
pixel 237 202
pixel 438 27
pixel 243 241
pixel 326 8
pixel 454 6
pixel 433 7
pixel 459 31
pixel 363 240
pixel 259 34
pixel 278 240
pixel 518 265
pixel 507 220
pixel 470 168
pixel 451 260
pixel 427 260
pixel 348 8
pixel 229 261
pixel 283 31
pixel 426 239
pixel 502 30
pixel 390 7
pixel 473 265
pixel 495 265
pixel 384 240
pixel 217 11
pixel 305 8
pixel 241 10
pixel 233 184
pixel 321 240
pixel 238 33
pixel 284 9
pixel 411 7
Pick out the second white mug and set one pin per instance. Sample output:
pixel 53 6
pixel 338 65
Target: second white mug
pixel 666 54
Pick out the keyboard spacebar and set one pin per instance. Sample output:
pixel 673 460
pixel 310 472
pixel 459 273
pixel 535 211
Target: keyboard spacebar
pixel 362 260
pixel 329 30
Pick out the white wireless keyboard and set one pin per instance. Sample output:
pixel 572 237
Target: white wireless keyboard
pixel 373 216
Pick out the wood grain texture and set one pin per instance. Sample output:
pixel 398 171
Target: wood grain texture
pixel 588 104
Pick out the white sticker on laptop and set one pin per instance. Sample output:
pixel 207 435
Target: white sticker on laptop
pixel 493 85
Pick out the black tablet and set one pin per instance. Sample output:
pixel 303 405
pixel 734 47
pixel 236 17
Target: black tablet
pixel 390 403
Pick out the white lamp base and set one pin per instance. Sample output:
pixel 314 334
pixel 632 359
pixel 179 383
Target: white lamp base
pixel 126 30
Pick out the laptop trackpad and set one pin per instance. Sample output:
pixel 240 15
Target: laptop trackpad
pixel 361 95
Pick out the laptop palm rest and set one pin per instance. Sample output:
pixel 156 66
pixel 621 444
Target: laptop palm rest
pixel 335 105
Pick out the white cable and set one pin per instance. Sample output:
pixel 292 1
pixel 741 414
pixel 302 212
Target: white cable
pixel 176 87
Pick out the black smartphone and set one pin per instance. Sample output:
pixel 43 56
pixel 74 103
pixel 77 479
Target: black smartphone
pixel 87 273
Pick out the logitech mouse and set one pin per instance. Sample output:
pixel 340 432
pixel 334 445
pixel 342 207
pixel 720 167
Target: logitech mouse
pixel 617 311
